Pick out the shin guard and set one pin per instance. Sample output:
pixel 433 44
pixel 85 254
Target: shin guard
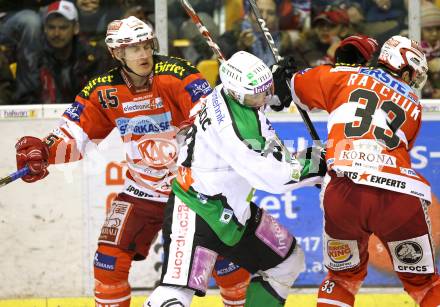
pixel 232 281
pixel 115 295
pixel 111 267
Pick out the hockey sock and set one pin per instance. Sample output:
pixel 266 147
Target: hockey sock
pixel 333 294
pixel 260 293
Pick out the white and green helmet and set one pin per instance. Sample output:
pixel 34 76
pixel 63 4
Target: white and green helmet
pixel 245 74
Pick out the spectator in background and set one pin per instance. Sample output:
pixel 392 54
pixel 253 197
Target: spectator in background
pixel 20 32
pixel 198 48
pixel 64 64
pixel 247 36
pixel 328 29
pixel 93 16
pixel 20 40
pixel 383 18
pixel 293 14
pixel 430 22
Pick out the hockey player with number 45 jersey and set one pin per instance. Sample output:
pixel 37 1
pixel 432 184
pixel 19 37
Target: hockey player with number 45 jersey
pixel 374 119
pixel 146 98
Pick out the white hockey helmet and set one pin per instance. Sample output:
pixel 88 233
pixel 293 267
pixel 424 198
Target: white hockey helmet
pixel 129 31
pixel 245 74
pixel 399 54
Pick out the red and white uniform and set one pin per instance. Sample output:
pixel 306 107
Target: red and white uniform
pixel 370 188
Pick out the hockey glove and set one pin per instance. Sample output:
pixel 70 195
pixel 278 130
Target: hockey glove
pixel 313 162
pixel 32 152
pixel 282 74
pixel 356 50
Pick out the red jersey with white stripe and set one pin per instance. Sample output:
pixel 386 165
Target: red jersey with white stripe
pixel 146 118
pixel 374 119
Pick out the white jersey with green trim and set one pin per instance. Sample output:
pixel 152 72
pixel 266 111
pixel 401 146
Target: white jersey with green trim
pixel 230 151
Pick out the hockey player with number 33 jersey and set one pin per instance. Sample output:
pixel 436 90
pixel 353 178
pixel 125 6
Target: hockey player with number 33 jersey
pixel 374 118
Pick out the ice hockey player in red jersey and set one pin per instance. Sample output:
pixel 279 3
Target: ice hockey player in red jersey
pixel 147 98
pixel 374 118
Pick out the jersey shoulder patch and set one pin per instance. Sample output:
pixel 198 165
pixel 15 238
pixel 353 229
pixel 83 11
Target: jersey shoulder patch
pixel 177 67
pixel 112 77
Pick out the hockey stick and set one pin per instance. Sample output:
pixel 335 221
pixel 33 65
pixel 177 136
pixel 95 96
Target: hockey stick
pixel 202 29
pixel 14 176
pixel 276 54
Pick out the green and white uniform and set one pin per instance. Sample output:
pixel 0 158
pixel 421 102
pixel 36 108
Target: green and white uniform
pixel 231 150
pixel 228 152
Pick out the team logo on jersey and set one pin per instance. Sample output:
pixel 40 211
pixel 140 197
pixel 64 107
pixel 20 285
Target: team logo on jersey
pixel 409 252
pixel 339 251
pixel 157 152
pixel 74 111
pixel 198 88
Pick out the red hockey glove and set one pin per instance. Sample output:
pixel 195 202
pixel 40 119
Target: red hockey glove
pixel 361 45
pixel 32 152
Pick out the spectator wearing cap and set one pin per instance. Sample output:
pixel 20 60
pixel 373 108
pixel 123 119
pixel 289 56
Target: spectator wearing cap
pixel 328 29
pixel 64 64
pixel 430 22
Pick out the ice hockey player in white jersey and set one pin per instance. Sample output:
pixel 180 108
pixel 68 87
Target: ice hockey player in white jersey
pixel 229 151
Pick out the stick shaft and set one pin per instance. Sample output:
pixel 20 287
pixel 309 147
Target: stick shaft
pixel 14 176
pixel 276 54
pixel 202 29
